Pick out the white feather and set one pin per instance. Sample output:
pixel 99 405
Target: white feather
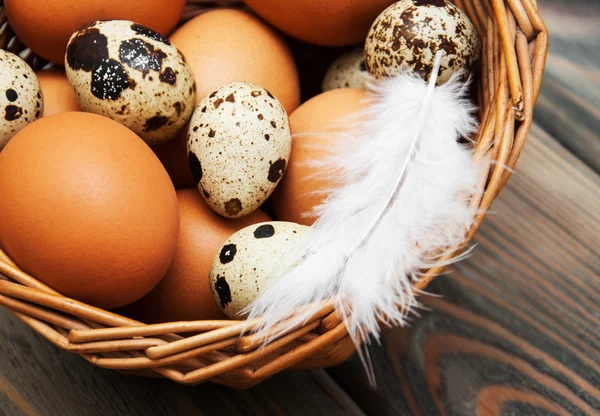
pixel 402 200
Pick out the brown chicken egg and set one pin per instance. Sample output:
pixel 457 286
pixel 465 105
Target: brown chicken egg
pixel 312 124
pixel 45 26
pixel 59 97
pixel 87 209
pixel 226 45
pixel 184 294
pixel 173 155
pixel 328 23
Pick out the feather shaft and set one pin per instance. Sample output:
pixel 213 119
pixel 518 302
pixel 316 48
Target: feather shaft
pixel 380 226
pixel 412 153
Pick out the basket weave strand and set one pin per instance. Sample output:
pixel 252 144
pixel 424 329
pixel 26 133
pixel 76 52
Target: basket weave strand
pixel 515 46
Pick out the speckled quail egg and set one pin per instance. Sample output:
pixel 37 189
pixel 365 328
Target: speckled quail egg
pixel 407 35
pixel 21 100
pixel 247 263
pixel 347 71
pixel 133 75
pixel 239 143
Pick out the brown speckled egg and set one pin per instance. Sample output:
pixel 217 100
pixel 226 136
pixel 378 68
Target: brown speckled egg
pixel 133 75
pixel 407 35
pixel 348 71
pixel 247 263
pixel 239 143
pixel 21 100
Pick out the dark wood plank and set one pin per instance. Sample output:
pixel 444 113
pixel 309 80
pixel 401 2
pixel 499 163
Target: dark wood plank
pixel 11 402
pixel 516 328
pixel 36 378
pixel 569 103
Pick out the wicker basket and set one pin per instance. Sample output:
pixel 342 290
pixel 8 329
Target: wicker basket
pixel 515 44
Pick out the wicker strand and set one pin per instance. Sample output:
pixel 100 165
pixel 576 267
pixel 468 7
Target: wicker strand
pixel 217 335
pixel 42 314
pixel 509 53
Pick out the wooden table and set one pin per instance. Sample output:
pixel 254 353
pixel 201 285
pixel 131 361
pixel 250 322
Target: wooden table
pixel 515 330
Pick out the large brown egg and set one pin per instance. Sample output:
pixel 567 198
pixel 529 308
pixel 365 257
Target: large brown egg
pixel 45 26
pixel 323 22
pixel 224 46
pixel 184 293
pixel 59 96
pixel 87 209
pixel 313 125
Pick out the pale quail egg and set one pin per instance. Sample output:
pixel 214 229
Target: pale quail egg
pixel 239 144
pixel 407 35
pixel 21 100
pixel 348 71
pixel 132 74
pixel 247 263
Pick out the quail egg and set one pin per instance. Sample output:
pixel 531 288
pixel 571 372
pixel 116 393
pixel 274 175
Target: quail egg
pixel 21 100
pixel 407 35
pixel 132 74
pixel 247 263
pixel 239 144
pixel 348 71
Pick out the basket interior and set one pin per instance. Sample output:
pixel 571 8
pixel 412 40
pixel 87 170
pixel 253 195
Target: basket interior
pixel 515 43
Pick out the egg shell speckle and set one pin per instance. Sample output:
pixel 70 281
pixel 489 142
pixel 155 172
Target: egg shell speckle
pixel 133 75
pixel 247 263
pixel 21 100
pixel 348 71
pixel 407 35
pixel 239 144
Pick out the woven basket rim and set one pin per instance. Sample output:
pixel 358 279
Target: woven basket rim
pixel 515 47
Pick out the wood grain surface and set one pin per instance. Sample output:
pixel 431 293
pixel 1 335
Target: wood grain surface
pixel 514 330
pixel 516 327
pixel 569 103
